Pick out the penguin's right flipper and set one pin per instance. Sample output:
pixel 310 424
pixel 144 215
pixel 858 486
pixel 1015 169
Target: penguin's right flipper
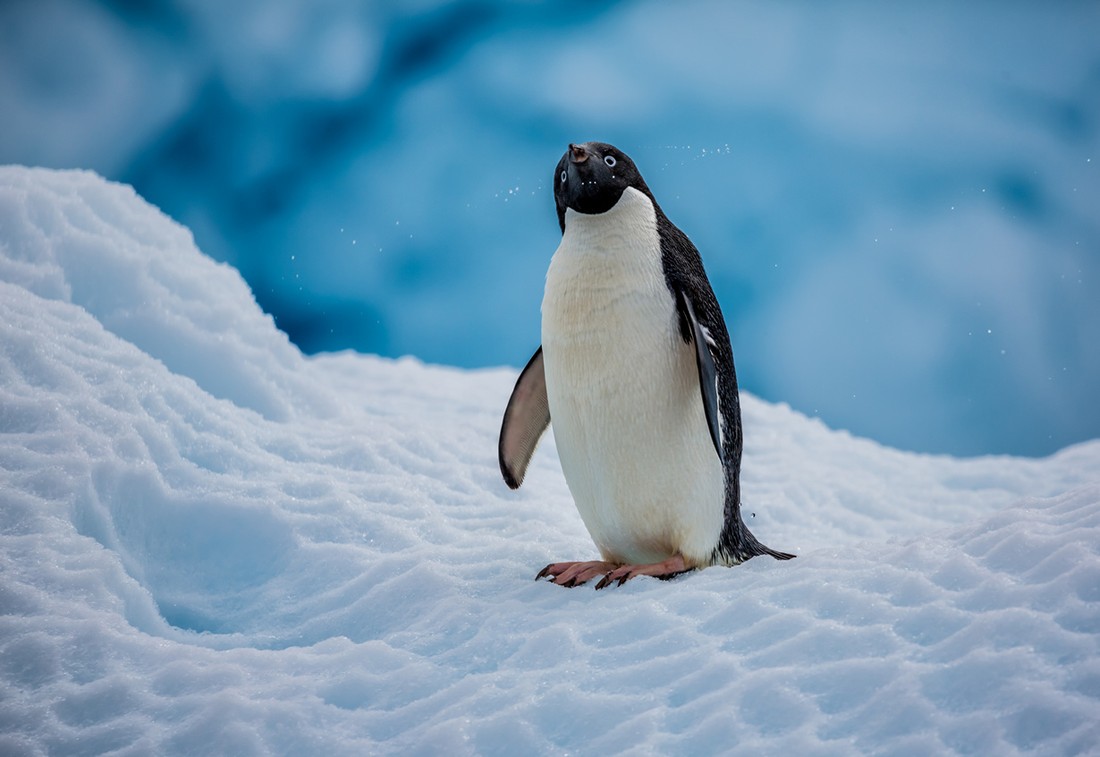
pixel 525 420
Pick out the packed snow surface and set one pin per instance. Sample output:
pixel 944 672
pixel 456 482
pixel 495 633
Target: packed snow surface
pixel 211 544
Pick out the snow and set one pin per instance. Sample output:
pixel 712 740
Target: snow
pixel 896 204
pixel 210 543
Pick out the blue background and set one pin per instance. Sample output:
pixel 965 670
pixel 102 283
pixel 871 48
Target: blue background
pixel 897 205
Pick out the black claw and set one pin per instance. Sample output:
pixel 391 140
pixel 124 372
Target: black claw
pixel 544 572
pixel 624 579
pixel 604 582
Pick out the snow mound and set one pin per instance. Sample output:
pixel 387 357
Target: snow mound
pixel 912 180
pixel 210 543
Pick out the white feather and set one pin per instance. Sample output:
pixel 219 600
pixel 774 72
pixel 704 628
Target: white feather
pixel 624 397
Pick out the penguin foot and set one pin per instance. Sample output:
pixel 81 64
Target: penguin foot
pixel 666 569
pixel 570 574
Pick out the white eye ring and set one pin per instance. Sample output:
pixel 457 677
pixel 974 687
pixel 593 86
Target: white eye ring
pixel 563 177
pixel 610 160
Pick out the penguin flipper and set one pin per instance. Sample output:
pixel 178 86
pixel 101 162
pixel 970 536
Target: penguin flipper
pixel 708 372
pixel 525 420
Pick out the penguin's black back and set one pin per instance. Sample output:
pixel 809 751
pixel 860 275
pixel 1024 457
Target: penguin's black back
pixel 683 270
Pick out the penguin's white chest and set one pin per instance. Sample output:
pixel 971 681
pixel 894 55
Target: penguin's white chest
pixel 623 390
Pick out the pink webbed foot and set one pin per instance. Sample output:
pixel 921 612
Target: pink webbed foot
pixel 673 566
pixel 572 574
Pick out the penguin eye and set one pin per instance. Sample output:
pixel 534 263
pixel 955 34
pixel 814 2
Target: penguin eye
pixel 610 160
pixel 563 177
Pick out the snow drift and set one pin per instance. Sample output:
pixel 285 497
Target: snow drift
pixel 212 544
pixel 917 181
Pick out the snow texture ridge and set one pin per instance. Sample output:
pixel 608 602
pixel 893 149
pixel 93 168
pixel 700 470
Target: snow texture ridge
pixel 210 543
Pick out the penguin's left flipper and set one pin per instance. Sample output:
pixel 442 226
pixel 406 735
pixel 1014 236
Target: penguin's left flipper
pixel 525 420
pixel 708 372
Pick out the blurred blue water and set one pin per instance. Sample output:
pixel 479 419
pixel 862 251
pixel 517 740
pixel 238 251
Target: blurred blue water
pixel 897 205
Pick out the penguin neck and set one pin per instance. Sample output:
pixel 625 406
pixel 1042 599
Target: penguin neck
pixel 630 222
pixel 619 249
pixel 608 266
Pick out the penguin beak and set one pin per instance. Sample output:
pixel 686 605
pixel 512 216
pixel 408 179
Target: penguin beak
pixel 577 153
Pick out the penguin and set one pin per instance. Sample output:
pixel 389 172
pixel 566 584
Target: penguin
pixel 635 371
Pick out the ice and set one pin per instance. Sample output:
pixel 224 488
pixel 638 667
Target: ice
pixel 212 544
pixel 872 189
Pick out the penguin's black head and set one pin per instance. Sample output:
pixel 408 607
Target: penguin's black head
pixel 591 177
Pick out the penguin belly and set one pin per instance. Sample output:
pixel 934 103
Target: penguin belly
pixel 623 391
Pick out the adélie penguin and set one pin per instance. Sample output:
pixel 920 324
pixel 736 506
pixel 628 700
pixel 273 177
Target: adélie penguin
pixel 636 372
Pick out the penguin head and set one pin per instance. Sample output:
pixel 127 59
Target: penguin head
pixel 591 177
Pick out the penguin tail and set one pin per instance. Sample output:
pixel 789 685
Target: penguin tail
pixel 758 548
pixel 737 544
pixel 746 548
pixel 777 555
